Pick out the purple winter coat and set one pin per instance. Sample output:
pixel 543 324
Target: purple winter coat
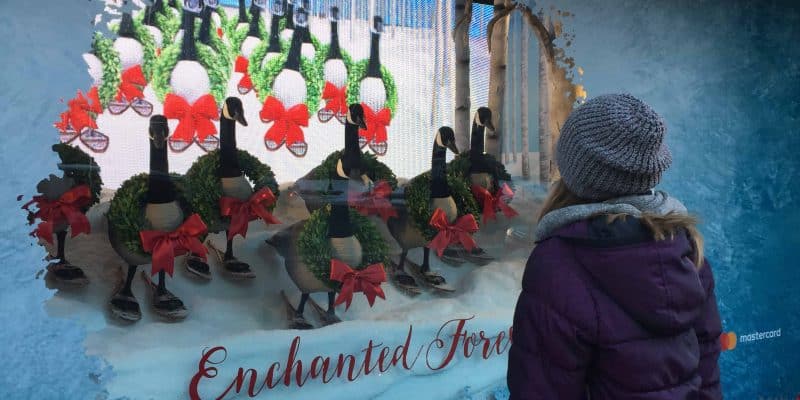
pixel 606 312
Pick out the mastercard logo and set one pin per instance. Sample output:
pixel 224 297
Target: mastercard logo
pixel 727 341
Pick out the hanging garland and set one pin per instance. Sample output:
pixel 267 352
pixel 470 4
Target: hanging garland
pixel 222 51
pixel 418 196
pixel 86 171
pixel 311 70
pixel 217 73
pixel 205 188
pixel 375 170
pixel 103 48
pixel 315 247
pixel 126 211
pixel 169 25
pixel 358 72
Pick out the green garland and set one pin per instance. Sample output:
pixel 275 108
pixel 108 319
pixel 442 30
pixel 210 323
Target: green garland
pixel 459 167
pixel 103 47
pixel 169 25
pixel 418 193
pixel 126 211
pixel 90 175
pixel 223 53
pixel 217 73
pixel 376 170
pixel 358 72
pixel 311 70
pixel 315 248
pixel 148 45
pixel 239 35
pixel 205 188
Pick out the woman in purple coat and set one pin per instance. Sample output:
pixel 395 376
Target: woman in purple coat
pixel 617 299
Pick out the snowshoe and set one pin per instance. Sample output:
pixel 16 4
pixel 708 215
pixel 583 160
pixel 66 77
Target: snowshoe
pixel 453 256
pixel 429 278
pixel 233 268
pixel 477 256
pixel 198 267
pixel 64 272
pixel 295 319
pixel 164 303
pixel 125 307
pixel 403 281
pixel 326 317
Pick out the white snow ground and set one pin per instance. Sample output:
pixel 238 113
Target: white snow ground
pixel 155 359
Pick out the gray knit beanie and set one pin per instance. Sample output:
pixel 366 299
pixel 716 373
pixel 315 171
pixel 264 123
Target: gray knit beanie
pixel 611 146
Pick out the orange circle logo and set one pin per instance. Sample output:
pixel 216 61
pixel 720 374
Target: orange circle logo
pixel 727 341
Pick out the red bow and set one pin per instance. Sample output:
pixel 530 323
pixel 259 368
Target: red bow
pixel 367 281
pixel 335 98
pixel 242 65
pixel 287 123
pixel 376 124
pixel 493 202
pixel 165 246
pixel 81 112
pixel 459 232
pixel 193 118
pixel 375 202
pixel 241 212
pixel 66 209
pixel 132 83
pixel 219 32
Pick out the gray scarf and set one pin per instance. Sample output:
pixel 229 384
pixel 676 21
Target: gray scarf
pixel 657 202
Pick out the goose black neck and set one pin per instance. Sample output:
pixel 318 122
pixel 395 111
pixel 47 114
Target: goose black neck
pixel 229 160
pixel 439 187
pixel 255 19
pixel 351 157
pixel 205 26
pixel 290 16
pixel 293 59
pixel 476 146
pixel 274 35
pixel 188 47
pixel 160 188
pixel 242 12
pixel 334 52
pixel 374 67
pixel 339 225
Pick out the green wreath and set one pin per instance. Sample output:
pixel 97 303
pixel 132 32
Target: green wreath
pixel 418 194
pixel 315 248
pixel 223 53
pixel 459 167
pixel 358 71
pixel 237 37
pixel 311 70
pixel 229 25
pixel 103 48
pixel 205 188
pixel 169 25
pixel 87 171
pixel 376 170
pixel 126 211
pixel 217 73
pixel 148 45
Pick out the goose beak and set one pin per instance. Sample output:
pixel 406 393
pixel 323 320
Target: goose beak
pixel 489 125
pixel 240 118
pixel 452 146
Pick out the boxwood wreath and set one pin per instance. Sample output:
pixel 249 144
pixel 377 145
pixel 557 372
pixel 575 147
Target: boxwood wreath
pixel 236 38
pixel 311 70
pixel 229 26
pixel 126 211
pixel 147 41
pixel 358 71
pixel 169 26
pixel 376 170
pixel 418 199
pixel 103 48
pixel 315 248
pixel 217 73
pixel 204 187
pixel 81 167
pixel 459 167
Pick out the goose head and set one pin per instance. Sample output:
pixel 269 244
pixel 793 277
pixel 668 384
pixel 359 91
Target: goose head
pixel 483 117
pixel 446 138
pixel 355 116
pixel 233 110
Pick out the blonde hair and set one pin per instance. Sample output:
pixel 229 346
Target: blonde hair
pixel 662 226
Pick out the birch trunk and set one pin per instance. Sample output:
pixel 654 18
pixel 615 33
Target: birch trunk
pixel 523 99
pixel 513 132
pixel 463 105
pixel 497 80
pixel 545 153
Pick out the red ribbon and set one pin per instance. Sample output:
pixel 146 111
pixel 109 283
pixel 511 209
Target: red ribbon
pixel 459 232
pixel 376 124
pixel 81 113
pixel 335 98
pixel 133 81
pixel 242 65
pixel 375 202
pixel 66 209
pixel 287 123
pixel 493 202
pixel 243 211
pixel 367 281
pixel 165 246
pixel 195 118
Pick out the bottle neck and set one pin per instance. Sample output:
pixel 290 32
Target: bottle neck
pixel 188 48
pixel 293 59
pixel 334 52
pixel 374 67
pixel 255 19
pixel 274 35
pixel 242 12
pixel 205 26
